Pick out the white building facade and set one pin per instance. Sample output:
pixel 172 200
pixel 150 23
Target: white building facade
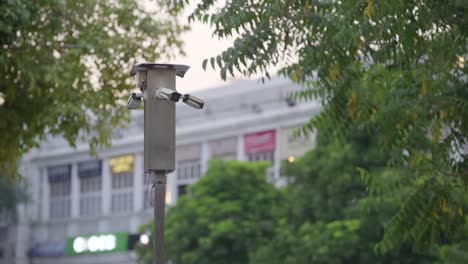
pixel 88 209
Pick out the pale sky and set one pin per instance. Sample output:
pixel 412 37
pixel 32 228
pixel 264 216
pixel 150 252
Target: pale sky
pixel 199 45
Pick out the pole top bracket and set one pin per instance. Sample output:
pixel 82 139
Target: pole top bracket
pixel 180 69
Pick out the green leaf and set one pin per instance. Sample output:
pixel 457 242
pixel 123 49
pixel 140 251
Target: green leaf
pixel 212 61
pixel 219 62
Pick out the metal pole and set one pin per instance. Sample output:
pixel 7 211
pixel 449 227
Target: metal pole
pixel 159 133
pixel 159 207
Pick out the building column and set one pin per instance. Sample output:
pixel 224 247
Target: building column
pixel 138 192
pixel 277 156
pixel 240 148
pixel 138 176
pixel 170 188
pixel 75 192
pixel 103 225
pixel 35 206
pixel 72 227
pixel 204 157
pixel 26 212
pixel 45 201
pixel 22 242
pixel 44 205
pixel 106 187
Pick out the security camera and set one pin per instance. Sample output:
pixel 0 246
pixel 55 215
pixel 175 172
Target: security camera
pixel 134 101
pixel 193 101
pixel 168 94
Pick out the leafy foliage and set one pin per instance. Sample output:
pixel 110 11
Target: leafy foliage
pixel 395 68
pixel 11 194
pixel 65 66
pixel 457 250
pixel 333 216
pixel 223 218
pixel 333 242
pixel 327 214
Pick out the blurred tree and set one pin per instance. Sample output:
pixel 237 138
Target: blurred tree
pixel 457 250
pixel 223 217
pixel 11 194
pixel 65 68
pixel 396 68
pixel 332 216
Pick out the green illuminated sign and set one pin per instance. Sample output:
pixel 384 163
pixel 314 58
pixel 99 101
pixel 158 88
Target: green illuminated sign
pixel 95 244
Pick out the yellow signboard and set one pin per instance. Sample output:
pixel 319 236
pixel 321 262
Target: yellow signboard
pixel 122 164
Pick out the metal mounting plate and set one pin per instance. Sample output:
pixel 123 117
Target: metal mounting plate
pixel 180 69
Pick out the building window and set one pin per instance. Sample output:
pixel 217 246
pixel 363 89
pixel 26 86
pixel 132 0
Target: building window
pixel 60 199
pixel 90 199
pixel 5 217
pixel 3 233
pixel 225 156
pixel 90 187
pixel 60 191
pixel 181 189
pixel 122 192
pixel 225 148
pixel 122 180
pixel 262 156
pixel 188 167
pixel 4 222
pixel 188 170
pixel 122 183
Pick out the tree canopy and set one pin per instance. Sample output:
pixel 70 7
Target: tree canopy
pixel 65 68
pixel 333 215
pixel 395 68
pixel 224 217
pixel 11 194
pixel 329 212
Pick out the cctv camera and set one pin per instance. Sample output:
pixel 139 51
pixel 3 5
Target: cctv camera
pixel 134 101
pixel 168 94
pixel 193 101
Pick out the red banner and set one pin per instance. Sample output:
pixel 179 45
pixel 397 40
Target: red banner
pixel 260 142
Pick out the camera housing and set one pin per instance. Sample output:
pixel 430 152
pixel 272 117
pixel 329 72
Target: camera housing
pixel 168 94
pixel 134 101
pixel 193 101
